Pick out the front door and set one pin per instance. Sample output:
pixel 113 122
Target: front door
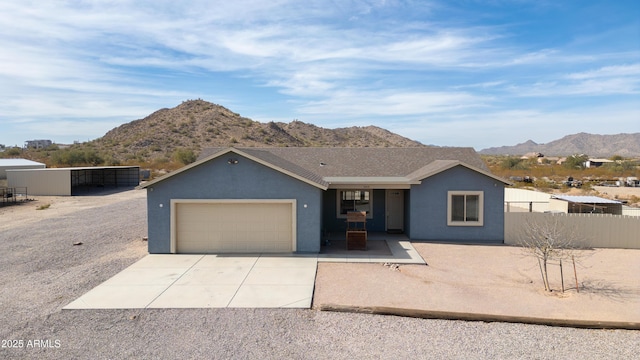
pixel 395 210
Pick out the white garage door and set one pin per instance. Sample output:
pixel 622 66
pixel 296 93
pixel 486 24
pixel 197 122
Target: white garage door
pixel 236 227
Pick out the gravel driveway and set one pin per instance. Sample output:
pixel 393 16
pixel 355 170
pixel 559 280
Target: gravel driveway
pixel 42 271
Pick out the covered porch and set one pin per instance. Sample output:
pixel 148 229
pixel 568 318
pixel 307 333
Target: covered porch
pixel 382 247
pixel 385 205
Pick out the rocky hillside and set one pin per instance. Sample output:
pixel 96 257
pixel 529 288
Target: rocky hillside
pixel 197 124
pixel 627 145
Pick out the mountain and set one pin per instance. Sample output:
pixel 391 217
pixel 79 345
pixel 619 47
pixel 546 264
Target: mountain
pixel 196 124
pixel 627 145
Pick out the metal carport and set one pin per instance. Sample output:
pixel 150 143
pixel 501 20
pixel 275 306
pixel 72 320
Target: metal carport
pixel 74 180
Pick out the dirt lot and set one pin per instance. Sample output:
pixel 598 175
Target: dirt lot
pixel 38 208
pixel 498 280
pixel 619 193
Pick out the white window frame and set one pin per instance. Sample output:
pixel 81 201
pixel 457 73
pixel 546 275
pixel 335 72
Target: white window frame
pixel 480 221
pixel 339 202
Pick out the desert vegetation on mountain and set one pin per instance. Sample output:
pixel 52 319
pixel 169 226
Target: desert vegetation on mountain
pixel 170 138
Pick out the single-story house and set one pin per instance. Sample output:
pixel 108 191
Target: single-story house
pixel 18 164
pixel 286 199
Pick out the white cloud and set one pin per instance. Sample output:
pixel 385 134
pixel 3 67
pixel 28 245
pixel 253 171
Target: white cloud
pixel 608 71
pixel 390 103
pixel 608 80
pixel 361 61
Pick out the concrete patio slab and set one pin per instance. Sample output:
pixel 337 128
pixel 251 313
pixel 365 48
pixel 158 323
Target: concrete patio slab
pixel 395 250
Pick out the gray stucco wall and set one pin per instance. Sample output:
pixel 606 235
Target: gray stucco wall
pixel 333 224
pixel 428 208
pixel 247 179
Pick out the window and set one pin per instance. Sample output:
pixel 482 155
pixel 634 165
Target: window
pixel 465 208
pixel 354 200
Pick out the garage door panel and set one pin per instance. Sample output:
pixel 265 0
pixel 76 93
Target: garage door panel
pixel 234 227
pixel 193 246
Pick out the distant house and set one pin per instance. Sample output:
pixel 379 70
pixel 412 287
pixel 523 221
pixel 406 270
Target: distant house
pixel 531 155
pixel 592 163
pixel 288 199
pixel 551 160
pixel 37 144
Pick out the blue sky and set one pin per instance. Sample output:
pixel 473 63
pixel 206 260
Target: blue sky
pixel 448 73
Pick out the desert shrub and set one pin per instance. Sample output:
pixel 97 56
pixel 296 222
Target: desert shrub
pixel 575 161
pixel 184 156
pixel 513 163
pixel 14 151
pixel 92 157
pixel 67 157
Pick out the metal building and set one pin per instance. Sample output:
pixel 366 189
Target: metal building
pixel 73 180
pixel 16 164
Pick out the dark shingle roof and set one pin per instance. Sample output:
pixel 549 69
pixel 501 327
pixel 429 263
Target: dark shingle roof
pixel 358 162
pixel 322 167
pixel 284 164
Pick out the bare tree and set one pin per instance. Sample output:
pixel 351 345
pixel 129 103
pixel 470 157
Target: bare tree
pixel 548 239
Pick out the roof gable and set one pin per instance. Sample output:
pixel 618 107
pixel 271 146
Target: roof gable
pixel 263 158
pixel 439 166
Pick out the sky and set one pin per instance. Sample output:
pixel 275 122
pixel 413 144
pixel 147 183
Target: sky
pixel 444 72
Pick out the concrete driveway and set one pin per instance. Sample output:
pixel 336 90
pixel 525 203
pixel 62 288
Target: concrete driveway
pixel 207 281
pixel 239 281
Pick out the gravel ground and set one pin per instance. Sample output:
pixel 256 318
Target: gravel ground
pixel 42 271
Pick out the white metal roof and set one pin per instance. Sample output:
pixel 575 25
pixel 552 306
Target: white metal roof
pixel 18 162
pixel 81 168
pixel 585 199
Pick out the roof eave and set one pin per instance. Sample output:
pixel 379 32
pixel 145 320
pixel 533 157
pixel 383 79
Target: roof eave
pixel 371 182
